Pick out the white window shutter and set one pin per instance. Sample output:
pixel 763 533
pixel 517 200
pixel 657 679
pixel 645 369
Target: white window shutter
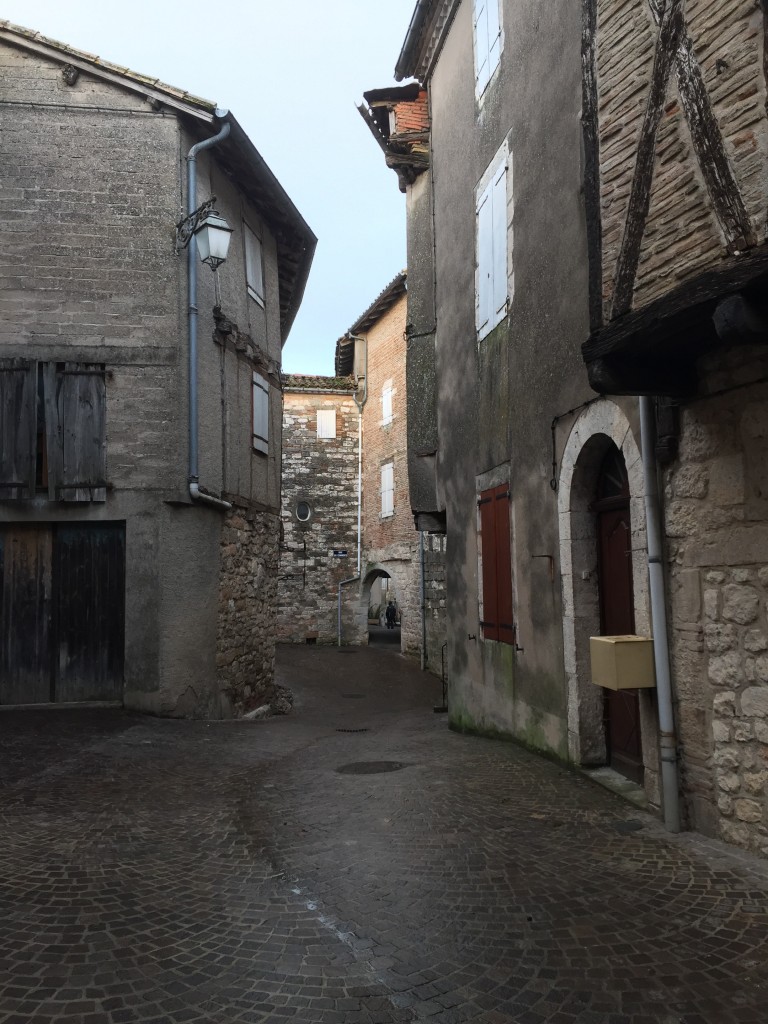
pixel 494 36
pixel 326 423
pixel 482 73
pixel 254 264
pixel 499 188
pixel 387 489
pixel 484 260
pixel 260 413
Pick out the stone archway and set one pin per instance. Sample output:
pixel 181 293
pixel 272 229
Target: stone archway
pixel 378 573
pixel 597 428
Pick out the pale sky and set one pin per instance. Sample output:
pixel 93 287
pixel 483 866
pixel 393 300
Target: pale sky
pixel 291 72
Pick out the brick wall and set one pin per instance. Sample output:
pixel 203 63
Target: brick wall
pixel 682 236
pixel 717 529
pixel 322 472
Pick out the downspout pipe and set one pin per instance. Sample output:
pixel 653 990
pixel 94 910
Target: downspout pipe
pixel 669 774
pixel 422 601
pixel 194 444
pixel 360 402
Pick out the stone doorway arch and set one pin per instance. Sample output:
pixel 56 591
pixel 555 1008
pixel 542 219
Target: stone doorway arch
pixel 599 427
pixel 379 585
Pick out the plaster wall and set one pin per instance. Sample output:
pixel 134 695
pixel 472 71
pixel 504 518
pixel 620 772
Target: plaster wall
pixel 497 400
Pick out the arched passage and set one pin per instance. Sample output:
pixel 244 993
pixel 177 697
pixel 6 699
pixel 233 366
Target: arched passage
pixel 379 590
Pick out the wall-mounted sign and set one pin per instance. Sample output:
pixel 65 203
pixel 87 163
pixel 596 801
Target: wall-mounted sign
pixel 340 553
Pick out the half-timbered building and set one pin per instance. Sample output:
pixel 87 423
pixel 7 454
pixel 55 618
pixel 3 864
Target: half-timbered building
pixel 140 407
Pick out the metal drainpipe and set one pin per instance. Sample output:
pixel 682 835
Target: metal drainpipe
pixel 669 780
pixel 360 403
pixel 423 602
pixel 194 473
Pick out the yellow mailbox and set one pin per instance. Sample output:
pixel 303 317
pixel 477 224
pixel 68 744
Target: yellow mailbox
pixel 622 662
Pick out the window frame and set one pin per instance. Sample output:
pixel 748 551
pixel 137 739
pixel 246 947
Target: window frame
pixel 387 507
pixel 256 290
pixel 260 385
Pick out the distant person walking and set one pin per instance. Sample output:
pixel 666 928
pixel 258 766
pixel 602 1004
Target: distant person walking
pixel 391 615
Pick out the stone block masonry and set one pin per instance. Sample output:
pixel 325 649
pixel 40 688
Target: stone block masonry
pixel 717 525
pixel 322 473
pixel 245 649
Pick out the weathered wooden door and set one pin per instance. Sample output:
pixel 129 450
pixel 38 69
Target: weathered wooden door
pixel 617 615
pixel 89 590
pixel 62 612
pixel 25 615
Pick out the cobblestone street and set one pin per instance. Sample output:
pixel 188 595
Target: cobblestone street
pixel 171 871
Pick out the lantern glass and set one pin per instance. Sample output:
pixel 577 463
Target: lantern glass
pixel 213 237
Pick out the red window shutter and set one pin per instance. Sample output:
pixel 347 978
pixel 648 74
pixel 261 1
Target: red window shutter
pixel 488 542
pixel 503 566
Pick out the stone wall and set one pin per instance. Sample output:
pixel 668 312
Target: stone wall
pixel 717 529
pixel 435 600
pixel 245 642
pixel 323 473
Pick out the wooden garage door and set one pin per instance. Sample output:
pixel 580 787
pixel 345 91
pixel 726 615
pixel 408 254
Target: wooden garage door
pixel 62 613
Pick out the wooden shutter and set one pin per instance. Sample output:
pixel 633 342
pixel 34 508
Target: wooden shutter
pixel 387 489
pixel 499 275
pixel 482 73
pixel 260 413
pixel 18 428
pixel 76 431
pixel 494 36
pixel 484 298
pixel 495 544
pixel 326 423
pixel 254 264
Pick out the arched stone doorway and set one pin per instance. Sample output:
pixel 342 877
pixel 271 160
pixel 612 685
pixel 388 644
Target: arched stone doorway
pixel 600 432
pixel 379 589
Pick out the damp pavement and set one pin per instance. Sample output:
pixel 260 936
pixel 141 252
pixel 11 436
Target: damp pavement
pixel 168 871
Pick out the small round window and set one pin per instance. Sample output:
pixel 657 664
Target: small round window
pixel 303 512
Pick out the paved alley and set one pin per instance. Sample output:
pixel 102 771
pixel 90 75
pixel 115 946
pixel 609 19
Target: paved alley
pixel 172 871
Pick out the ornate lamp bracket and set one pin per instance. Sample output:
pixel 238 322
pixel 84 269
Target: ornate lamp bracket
pixel 189 224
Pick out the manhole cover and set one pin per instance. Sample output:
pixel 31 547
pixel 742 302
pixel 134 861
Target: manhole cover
pixel 633 825
pixel 365 729
pixel 371 767
pixel 353 696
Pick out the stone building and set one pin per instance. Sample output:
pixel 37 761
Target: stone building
pixel 606 165
pixel 676 192
pixel 140 427
pixel 319 505
pixel 398 564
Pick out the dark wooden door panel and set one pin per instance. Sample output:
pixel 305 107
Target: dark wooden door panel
pixel 25 615
pixel 89 584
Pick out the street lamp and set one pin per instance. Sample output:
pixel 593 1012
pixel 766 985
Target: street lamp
pixel 213 236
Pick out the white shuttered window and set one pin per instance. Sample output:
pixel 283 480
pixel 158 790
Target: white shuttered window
pixel 260 414
pixel 254 265
pixel 488 42
pixel 388 489
pixel 494 280
pixel 326 423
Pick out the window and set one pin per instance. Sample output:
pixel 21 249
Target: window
pixel 494 282
pixel 53 430
pixel 496 617
pixel 260 413
pixel 326 423
pixel 488 42
pixel 254 268
pixel 388 489
pixel 303 512
pixel 386 404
